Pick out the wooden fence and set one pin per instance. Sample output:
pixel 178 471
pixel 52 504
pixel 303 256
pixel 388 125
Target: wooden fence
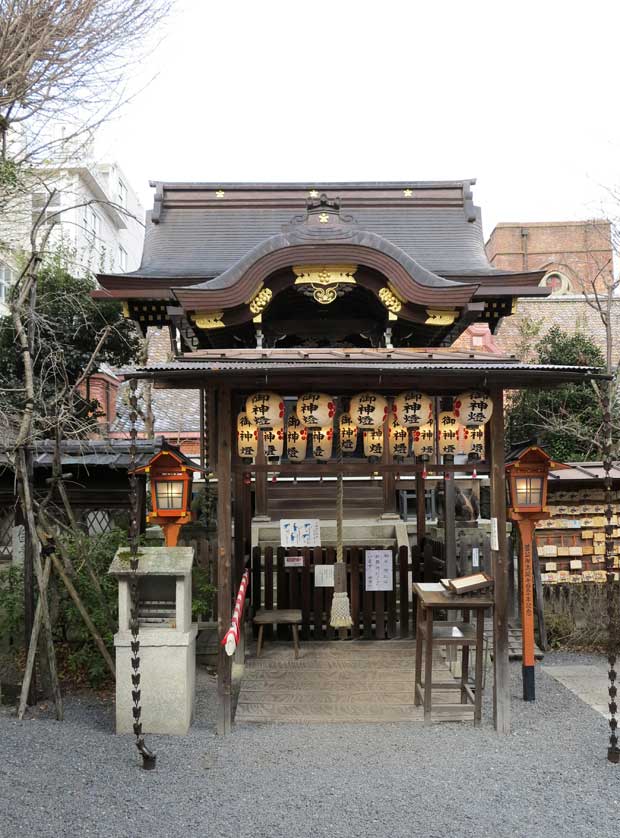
pixel 375 614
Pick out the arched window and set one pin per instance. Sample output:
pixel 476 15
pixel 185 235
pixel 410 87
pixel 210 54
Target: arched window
pixel 558 282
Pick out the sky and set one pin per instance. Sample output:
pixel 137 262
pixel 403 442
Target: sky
pixel 521 96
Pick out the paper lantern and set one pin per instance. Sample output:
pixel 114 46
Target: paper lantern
pixel 265 410
pixel 247 438
pixel 413 409
pixel 273 443
pixel 473 408
pixel 296 439
pixel 348 434
pixel 448 433
pixel 473 442
pixel 424 441
pixel 373 444
pixel 322 443
pixel 398 437
pixel 316 410
pixel 368 411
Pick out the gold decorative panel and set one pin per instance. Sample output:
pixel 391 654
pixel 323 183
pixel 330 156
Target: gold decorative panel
pixel 390 300
pixel 325 280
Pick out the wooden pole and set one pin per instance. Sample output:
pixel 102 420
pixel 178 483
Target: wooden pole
pixel 224 556
pixel 29 603
pixel 501 687
pixel 449 524
pixel 538 593
pixel 239 528
pixel 420 508
pixel 389 477
pixel 260 500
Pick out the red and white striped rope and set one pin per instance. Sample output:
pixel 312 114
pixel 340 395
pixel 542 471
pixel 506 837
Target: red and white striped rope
pixel 231 638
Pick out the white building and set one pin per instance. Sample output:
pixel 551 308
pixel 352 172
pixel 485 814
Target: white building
pixel 98 222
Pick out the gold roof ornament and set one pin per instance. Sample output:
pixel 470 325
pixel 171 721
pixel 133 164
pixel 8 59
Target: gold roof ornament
pixel 260 300
pixel 219 193
pixel 313 193
pixel 440 316
pixel 208 319
pixel 408 193
pixel 325 280
pixel 324 217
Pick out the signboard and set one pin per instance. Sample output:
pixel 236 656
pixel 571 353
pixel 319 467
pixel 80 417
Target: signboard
pixel 379 570
pixel 323 576
pixel 300 532
pixel 475 556
pixel 293 561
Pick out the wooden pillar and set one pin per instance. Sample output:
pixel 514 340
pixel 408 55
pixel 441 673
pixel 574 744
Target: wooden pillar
pixel 261 509
pixel 449 524
pixel 239 528
pixel 420 507
pixel 224 556
pixel 501 686
pixel 388 478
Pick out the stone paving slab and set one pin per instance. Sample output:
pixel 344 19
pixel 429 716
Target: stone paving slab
pixel 587 681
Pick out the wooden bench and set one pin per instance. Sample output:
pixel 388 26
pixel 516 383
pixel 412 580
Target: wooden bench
pixel 290 617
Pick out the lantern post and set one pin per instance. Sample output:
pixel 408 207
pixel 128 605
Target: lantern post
pixel 528 475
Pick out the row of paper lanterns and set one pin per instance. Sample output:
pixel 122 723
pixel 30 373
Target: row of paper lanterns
pixel 410 426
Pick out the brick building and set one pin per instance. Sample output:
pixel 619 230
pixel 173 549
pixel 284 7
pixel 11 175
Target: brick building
pixel 577 257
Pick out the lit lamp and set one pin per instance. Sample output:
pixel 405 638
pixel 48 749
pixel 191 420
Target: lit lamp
pixel 170 473
pixel 528 474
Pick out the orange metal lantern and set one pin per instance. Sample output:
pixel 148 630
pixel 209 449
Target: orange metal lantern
pixel 316 410
pixel 265 410
pixel 368 411
pixel 373 444
pixel 296 439
pixel 473 408
pixel 247 438
pixel 170 473
pixel 448 434
pixel 413 409
pixel 398 437
pixel 424 441
pixel 348 434
pixel 323 443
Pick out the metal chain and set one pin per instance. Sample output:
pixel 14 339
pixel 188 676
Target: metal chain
pixel 148 757
pixel 613 752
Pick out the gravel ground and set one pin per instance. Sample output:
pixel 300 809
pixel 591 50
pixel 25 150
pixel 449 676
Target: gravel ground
pixel 548 778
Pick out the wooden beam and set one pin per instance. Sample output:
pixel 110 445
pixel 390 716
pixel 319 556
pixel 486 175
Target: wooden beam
pixel 501 687
pixel 351 467
pixel 224 556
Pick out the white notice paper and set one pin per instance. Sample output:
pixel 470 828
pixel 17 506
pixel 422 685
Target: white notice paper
pixel 494 535
pixel 379 570
pixel 323 576
pixel 475 556
pixel 300 532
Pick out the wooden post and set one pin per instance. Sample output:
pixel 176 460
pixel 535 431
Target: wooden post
pixel 29 602
pixel 388 478
pixel 224 555
pixel 449 524
pixel 420 506
pixel 260 500
pixel 538 593
pixel 239 528
pixel 501 686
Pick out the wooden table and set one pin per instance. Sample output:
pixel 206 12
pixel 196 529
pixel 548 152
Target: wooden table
pixel 288 617
pixel 431 633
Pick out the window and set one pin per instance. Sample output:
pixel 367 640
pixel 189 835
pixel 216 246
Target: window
pixel 52 204
pixel 559 283
pixel 122 193
pixel 91 223
pixel 122 258
pixel 6 279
